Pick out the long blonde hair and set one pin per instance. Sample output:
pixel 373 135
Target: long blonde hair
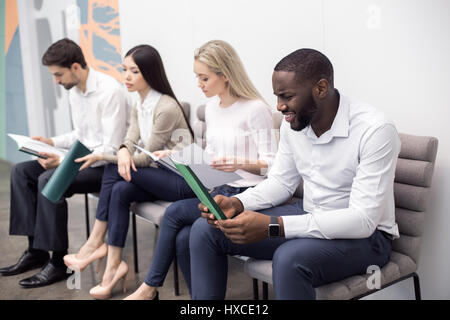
pixel 222 59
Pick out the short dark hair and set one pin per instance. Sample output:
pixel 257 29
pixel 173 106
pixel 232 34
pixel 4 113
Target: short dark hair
pixel 64 53
pixel 308 65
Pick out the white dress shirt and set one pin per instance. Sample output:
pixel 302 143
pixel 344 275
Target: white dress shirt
pixel 242 130
pixel 348 174
pixel 145 111
pixel 99 115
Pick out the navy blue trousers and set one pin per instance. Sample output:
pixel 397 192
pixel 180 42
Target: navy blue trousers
pixel 299 265
pixel 34 215
pixel 147 184
pixel 174 237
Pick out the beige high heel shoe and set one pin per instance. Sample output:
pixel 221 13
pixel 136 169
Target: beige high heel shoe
pixel 74 263
pixel 101 293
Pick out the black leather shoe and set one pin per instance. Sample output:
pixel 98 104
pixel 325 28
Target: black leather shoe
pixel 48 275
pixel 28 261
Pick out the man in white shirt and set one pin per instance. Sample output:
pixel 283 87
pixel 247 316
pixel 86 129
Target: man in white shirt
pixel 99 117
pixel 345 152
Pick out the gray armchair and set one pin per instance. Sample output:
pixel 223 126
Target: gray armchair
pixel 411 191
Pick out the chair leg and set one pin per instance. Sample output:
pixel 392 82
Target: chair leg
pixel 135 249
pixel 417 286
pixel 86 209
pixel 265 291
pixel 255 289
pixel 176 285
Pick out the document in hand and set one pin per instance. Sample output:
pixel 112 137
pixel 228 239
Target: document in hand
pixel 65 173
pixel 198 161
pixel 161 161
pixel 33 147
pixel 199 189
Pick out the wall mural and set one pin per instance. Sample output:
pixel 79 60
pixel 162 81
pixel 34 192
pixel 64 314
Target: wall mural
pixel 99 35
pixel 14 115
pixel 98 27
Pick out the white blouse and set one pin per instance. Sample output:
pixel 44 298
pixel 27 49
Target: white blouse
pixel 242 130
pixel 145 111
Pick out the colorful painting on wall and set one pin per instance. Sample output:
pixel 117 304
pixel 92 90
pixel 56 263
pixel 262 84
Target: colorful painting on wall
pixel 99 35
pixel 13 111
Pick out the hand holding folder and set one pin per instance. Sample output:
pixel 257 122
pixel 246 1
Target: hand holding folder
pixel 199 189
pixel 66 172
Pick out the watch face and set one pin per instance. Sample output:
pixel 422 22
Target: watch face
pixel 274 230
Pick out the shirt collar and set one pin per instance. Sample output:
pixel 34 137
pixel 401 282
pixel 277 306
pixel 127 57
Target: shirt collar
pixel 339 128
pixel 91 82
pixel 150 100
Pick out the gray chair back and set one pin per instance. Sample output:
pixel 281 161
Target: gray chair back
pixel 186 108
pixel 413 177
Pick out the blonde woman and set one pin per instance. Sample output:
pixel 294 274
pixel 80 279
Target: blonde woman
pixel 238 123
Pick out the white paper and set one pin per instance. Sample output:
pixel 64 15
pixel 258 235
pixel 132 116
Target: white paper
pixel 35 145
pixel 199 162
pixel 165 161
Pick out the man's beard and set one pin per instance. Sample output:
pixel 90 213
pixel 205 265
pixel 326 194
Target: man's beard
pixel 304 120
pixel 69 85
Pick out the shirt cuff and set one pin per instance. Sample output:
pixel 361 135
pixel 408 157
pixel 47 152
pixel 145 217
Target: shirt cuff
pixel 248 201
pixel 296 226
pixel 59 142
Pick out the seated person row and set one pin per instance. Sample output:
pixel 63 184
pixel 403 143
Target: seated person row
pixel 238 110
pixel 99 117
pixel 303 82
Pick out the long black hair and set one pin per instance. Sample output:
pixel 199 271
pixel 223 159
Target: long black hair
pixel 151 66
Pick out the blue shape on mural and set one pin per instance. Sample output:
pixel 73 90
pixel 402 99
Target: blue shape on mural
pixel 103 51
pixel 115 32
pixel 16 111
pixel 84 6
pixel 104 14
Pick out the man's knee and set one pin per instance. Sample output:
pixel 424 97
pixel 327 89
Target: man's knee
pixel 44 177
pixel 22 169
pixel 286 261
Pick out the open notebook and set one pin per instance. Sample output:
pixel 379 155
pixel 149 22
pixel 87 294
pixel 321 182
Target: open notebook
pixel 33 147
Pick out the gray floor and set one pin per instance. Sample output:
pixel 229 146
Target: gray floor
pixel 11 248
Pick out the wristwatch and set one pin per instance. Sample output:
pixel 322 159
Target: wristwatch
pixel 274 228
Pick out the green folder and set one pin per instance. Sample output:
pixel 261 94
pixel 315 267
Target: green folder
pixel 65 173
pixel 199 189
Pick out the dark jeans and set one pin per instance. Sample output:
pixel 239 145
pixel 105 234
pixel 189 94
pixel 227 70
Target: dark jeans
pixel 174 237
pixel 147 184
pixel 299 265
pixel 34 215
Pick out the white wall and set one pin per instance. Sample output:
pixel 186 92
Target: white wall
pixel 393 54
pixel 37 93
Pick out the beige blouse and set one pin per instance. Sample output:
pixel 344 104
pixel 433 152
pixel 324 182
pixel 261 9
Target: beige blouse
pixel 169 125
